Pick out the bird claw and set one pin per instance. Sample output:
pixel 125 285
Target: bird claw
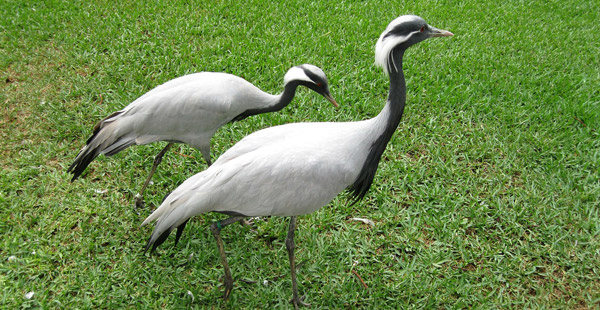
pixel 227 292
pixel 245 222
pixel 300 302
pixel 139 201
pixel 228 288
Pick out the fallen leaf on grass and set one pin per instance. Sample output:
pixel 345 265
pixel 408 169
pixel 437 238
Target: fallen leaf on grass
pixel 366 221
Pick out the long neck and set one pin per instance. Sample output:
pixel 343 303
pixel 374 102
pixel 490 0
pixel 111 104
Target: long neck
pixel 282 101
pixel 392 112
pixel 385 123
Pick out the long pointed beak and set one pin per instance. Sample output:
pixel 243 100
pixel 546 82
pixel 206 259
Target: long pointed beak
pixel 440 33
pixel 330 98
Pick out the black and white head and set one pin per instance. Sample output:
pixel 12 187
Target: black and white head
pixel 400 34
pixel 312 77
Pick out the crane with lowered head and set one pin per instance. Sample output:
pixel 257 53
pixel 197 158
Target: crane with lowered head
pixel 295 169
pixel 190 109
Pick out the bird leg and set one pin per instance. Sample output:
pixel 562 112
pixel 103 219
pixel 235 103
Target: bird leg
pixel 289 244
pixel 139 200
pixel 216 230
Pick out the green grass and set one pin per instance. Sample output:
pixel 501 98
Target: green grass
pixel 487 196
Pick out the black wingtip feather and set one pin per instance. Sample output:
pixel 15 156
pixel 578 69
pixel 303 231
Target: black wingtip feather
pixel 81 163
pixel 160 240
pixel 148 244
pixel 180 231
pixel 163 237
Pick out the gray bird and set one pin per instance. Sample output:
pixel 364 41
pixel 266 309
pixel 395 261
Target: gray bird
pixel 295 169
pixel 189 110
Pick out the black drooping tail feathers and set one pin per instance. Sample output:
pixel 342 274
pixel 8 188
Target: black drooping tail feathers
pixel 165 234
pixel 103 140
pixel 161 239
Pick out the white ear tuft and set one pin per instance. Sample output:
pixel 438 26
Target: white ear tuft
pixel 386 43
pixel 302 72
pixel 295 74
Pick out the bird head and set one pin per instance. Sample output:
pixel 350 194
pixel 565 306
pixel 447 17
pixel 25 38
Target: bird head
pixel 400 34
pixel 312 77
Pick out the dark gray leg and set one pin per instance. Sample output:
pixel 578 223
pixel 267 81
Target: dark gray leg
pixel 139 200
pixel 289 244
pixel 216 230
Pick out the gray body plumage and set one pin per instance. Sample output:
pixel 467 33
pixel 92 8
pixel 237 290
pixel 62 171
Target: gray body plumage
pixel 295 169
pixel 190 109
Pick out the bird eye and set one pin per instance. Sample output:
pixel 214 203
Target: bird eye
pixel 422 29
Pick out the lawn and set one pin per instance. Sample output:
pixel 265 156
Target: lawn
pixel 487 196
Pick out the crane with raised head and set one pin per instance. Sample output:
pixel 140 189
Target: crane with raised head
pixel 295 169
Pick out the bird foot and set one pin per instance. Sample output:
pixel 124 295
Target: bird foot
pixel 299 301
pixel 227 292
pixel 139 201
pixel 228 287
pixel 245 222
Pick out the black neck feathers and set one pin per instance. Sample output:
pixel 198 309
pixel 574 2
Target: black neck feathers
pixel 285 98
pixel 395 106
